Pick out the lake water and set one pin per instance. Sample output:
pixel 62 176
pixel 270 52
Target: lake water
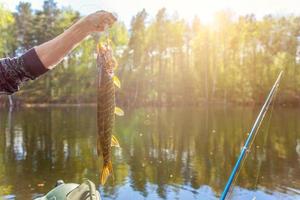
pixel 180 153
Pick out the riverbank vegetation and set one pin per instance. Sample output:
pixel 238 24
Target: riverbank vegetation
pixel 163 59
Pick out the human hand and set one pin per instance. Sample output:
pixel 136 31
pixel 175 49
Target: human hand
pixel 98 21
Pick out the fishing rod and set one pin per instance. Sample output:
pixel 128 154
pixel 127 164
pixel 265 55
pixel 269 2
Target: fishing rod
pixel 251 136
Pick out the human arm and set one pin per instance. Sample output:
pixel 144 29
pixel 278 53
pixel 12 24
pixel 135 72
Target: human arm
pixel 53 51
pixel 38 60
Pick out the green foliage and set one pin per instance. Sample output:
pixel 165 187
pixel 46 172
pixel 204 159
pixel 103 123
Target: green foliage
pixel 7 40
pixel 165 60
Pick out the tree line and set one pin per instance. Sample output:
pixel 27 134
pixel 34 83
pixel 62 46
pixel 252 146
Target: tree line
pixel 164 60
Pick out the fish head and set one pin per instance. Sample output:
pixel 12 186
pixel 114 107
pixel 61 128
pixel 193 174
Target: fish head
pixel 105 59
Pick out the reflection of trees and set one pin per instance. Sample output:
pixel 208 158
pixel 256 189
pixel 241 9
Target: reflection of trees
pixel 160 147
pixel 199 147
pixel 56 145
pixel 5 188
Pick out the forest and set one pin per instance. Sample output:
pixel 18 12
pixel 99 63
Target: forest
pixel 164 60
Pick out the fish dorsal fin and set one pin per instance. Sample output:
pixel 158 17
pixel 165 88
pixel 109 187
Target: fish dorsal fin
pixel 114 142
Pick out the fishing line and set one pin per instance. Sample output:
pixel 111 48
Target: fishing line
pixel 249 149
pixel 230 193
pixel 266 136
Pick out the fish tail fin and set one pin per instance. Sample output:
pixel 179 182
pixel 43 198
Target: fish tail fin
pixel 106 171
pixel 114 142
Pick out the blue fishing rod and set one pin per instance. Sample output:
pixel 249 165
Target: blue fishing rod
pixel 251 137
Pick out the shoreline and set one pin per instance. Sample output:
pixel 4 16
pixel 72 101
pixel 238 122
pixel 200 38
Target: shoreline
pixel 216 103
pixel 44 105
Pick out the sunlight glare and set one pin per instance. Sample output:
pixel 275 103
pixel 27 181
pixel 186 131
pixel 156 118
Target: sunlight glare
pixel 188 9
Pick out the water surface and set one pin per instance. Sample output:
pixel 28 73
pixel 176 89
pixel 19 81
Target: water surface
pixel 182 153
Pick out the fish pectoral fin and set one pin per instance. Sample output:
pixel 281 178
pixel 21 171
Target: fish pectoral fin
pixel 114 142
pixel 106 171
pixel 119 111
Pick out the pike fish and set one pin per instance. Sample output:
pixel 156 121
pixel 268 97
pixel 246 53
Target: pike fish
pixel 106 108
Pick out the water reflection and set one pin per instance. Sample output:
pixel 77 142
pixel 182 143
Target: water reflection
pixel 183 153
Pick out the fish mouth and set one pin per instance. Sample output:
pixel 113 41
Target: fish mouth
pixel 105 59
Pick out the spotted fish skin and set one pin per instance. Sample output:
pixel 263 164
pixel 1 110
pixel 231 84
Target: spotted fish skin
pixel 105 109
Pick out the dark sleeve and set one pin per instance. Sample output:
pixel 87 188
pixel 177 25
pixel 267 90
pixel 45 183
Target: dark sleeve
pixel 15 71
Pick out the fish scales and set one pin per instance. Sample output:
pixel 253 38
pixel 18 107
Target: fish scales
pixel 105 109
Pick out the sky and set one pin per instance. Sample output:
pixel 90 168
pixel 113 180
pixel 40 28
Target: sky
pixel 204 9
